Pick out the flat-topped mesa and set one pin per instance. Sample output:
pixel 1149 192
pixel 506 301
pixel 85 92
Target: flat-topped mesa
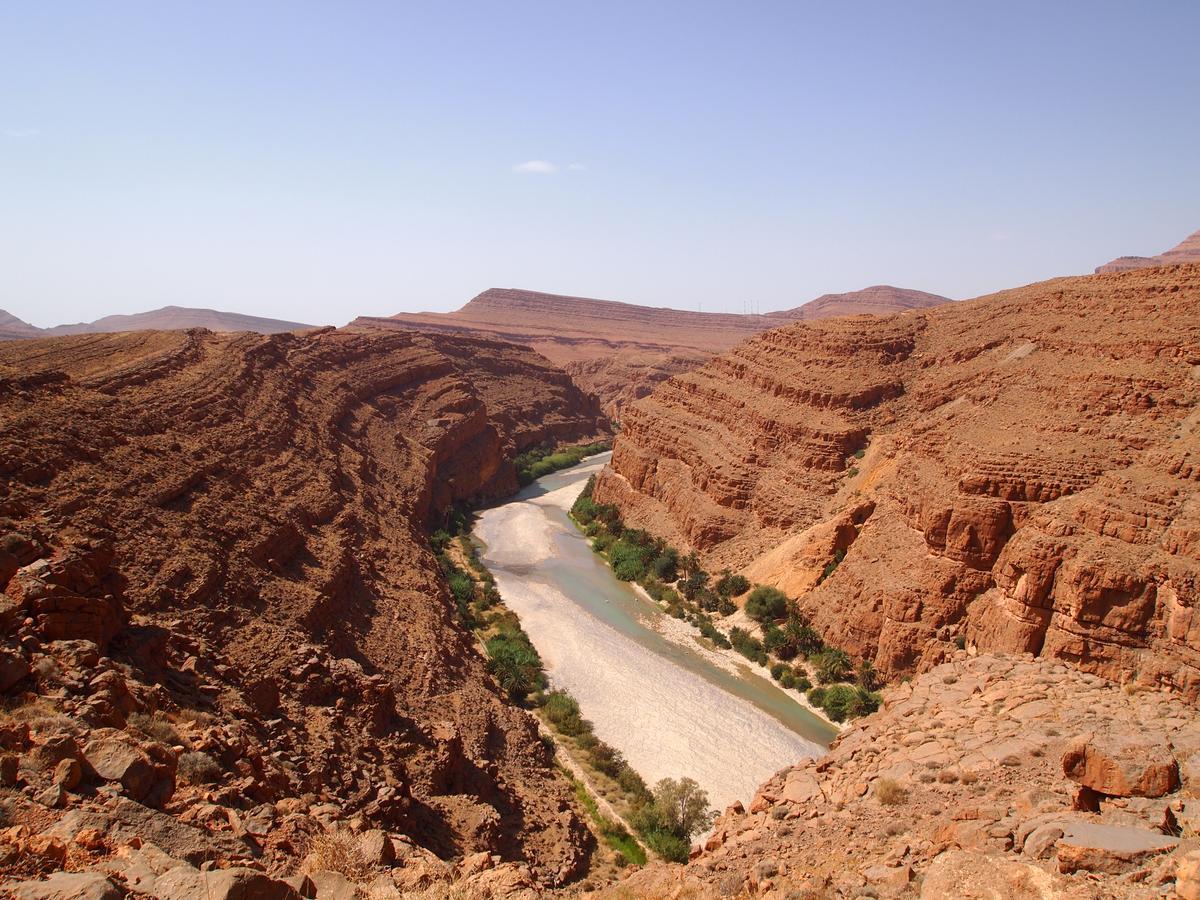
pixel 621 351
pixel 238 526
pixel 1184 253
pixel 1016 473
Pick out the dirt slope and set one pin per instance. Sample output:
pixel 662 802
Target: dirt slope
pixel 238 524
pixel 621 351
pixel 1027 480
pixel 1187 251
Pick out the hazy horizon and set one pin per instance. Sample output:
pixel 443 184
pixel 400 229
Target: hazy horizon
pixel 313 163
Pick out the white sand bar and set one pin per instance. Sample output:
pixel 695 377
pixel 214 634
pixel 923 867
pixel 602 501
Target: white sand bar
pixel 667 708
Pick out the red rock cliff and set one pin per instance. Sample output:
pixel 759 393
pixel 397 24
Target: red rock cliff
pixel 236 523
pixel 1018 472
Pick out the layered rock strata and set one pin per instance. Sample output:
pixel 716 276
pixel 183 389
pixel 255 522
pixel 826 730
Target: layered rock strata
pixel 223 627
pixel 621 351
pixel 1015 473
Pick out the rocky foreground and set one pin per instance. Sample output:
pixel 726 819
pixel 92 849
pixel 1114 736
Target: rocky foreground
pixel 1008 778
pixel 226 642
pixel 1017 473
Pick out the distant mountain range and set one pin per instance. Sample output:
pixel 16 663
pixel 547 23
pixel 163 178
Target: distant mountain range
pixel 168 318
pixel 620 351
pixel 1187 251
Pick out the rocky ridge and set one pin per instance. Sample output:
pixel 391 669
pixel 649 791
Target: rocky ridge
pixel 225 635
pixel 1016 473
pixel 992 777
pixel 1186 251
pixel 621 351
pixel 12 328
pixel 167 318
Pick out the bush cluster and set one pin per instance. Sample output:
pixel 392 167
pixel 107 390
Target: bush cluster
pixel 533 464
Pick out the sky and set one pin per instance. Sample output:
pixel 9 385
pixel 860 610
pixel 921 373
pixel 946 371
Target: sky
pixel 314 161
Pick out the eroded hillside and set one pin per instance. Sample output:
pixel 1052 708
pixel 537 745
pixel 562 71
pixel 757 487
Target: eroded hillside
pixel 621 351
pixel 1016 473
pixel 220 601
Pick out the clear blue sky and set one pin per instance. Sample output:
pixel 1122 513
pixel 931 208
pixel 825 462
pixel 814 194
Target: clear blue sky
pixel 314 161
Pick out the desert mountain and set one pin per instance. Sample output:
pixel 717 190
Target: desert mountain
pixel 620 351
pixel 1187 251
pixel 1015 473
pixel 220 543
pixel 170 318
pixel 12 328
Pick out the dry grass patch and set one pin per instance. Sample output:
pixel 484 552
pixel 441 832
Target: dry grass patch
pixel 156 726
pixel 198 768
pixel 890 792
pixel 968 777
pixel 337 851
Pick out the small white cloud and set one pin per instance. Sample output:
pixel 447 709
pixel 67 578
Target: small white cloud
pixel 576 167
pixel 19 133
pixel 536 167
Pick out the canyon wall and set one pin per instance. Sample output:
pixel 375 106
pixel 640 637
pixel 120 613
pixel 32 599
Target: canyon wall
pixel 621 351
pixel 1186 251
pixel 229 531
pixel 1014 473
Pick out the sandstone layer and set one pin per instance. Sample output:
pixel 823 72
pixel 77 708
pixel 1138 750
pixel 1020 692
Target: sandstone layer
pixel 223 626
pixel 963 785
pixel 621 351
pixel 1016 473
pixel 1187 251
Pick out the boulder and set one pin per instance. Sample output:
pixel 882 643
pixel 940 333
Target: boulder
pixel 1187 876
pixel 968 875
pixel 147 774
pixel 67 886
pixel 1109 849
pixel 334 886
pixel 186 883
pixel 377 848
pixel 1041 841
pixel 1122 765
pixel 13 669
pixel 68 773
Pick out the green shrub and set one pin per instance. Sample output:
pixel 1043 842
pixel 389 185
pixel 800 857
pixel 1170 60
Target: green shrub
pixel 515 664
pixel 803 684
pixel 731 585
pixel 766 603
pixel 831 664
pixel 778 670
pixel 666 565
pixel 563 712
pixel 726 607
pixel 746 644
pixel 788 679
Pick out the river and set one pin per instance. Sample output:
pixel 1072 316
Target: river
pixel 669 705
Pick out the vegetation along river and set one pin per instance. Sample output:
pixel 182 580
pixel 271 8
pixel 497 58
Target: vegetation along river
pixel 671 706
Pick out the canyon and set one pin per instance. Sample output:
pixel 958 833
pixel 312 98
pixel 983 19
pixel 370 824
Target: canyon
pixel 620 351
pixel 1016 473
pixel 215 549
pixel 228 642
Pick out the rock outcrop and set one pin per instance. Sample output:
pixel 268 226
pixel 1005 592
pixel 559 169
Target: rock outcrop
pixel 956 788
pixel 620 351
pixel 222 624
pixel 1016 473
pixel 1187 251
